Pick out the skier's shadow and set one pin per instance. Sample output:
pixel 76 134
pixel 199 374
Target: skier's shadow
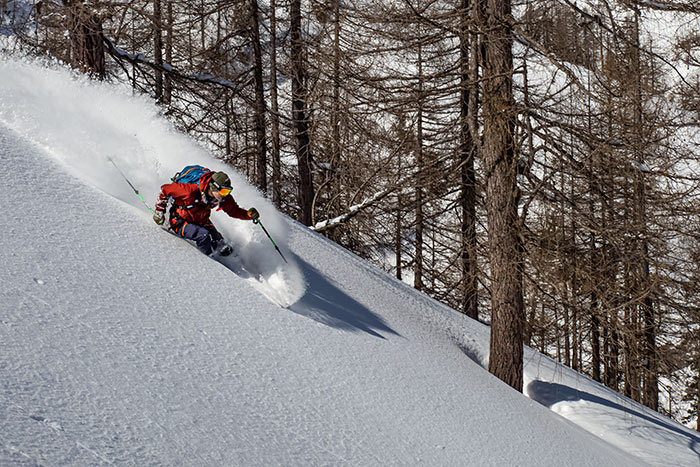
pixel 325 303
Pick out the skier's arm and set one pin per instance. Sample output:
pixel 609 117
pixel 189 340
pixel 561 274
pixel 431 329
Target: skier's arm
pixel 162 202
pixel 174 190
pixel 231 207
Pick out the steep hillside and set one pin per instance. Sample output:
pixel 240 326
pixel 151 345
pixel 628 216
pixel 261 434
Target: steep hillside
pixel 122 344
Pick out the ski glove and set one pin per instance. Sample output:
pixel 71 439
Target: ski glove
pixel 253 214
pixel 158 218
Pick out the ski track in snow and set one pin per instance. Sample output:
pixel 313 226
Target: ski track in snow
pixel 123 345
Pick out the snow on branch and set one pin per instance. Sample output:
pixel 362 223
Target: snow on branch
pixel 140 59
pixel 352 211
pixel 687 7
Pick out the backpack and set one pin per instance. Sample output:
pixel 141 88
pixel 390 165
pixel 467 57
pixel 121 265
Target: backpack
pixel 190 174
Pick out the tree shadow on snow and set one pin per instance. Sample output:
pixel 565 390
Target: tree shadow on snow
pixel 549 394
pixel 325 303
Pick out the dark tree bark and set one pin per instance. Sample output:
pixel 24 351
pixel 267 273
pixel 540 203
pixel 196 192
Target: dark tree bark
pixel 167 82
pixel 274 115
pixel 336 163
pixel 158 48
pixel 595 339
pixel 467 153
pixel 260 107
pixel 650 370
pixel 505 251
pixel 85 29
pixel 299 119
pixel 420 180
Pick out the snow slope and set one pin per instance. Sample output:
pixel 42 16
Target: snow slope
pixel 122 345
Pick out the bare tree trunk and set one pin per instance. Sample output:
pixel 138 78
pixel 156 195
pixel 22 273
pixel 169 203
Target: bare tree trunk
pixel 697 394
pixel 203 25
pixel 274 116
pixel 697 404
pixel 420 178
pixel 336 152
pixel 398 228
pixel 228 119
pixel 630 340
pixel 650 379
pixel 612 367
pixel 595 338
pixel 611 260
pixel 260 107
pixel 167 82
pixel 299 119
pixel 505 251
pixel 85 29
pixel 158 48
pixel 467 154
pixel 595 262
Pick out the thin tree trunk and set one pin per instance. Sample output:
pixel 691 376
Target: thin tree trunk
pixel 158 48
pixel 467 154
pixel 595 259
pixel 595 338
pixel 420 177
pixel 697 395
pixel 227 143
pixel 398 247
pixel 274 116
pixel 613 367
pixel 650 379
pixel 167 82
pixel 299 119
pixel 260 107
pixel 203 28
pixel 335 111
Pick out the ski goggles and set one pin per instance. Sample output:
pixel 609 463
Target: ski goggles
pixel 223 191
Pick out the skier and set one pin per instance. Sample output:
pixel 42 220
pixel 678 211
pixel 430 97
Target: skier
pixel 192 205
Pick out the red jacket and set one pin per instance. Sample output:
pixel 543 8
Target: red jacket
pixel 191 204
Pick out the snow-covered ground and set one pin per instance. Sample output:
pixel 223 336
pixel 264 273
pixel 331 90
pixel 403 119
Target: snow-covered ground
pixel 122 345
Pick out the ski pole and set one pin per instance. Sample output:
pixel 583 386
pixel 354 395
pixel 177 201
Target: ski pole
pixel 132 186
pixel 257 221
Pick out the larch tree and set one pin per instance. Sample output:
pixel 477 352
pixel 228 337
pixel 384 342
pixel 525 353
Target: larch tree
pixel 504 233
